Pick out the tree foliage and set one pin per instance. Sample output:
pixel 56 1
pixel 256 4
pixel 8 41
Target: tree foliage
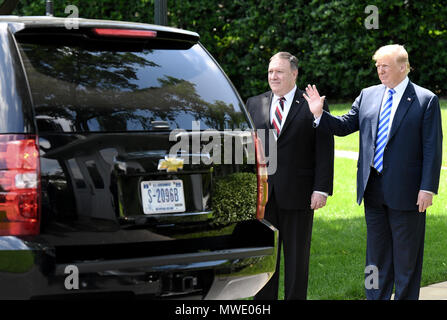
pixel 329 38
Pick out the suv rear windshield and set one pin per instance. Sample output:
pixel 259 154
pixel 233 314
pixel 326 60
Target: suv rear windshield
pixel 77 88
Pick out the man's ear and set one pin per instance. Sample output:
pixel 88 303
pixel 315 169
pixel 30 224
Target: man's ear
pixel 403 67
pixel 295 73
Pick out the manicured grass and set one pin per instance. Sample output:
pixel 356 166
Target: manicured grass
pixel 338 241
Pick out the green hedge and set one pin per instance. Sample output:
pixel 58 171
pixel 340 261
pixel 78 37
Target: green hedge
pixel 234 198
pixel 329 38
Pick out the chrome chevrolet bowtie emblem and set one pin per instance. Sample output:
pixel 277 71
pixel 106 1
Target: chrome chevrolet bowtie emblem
pixel 170 164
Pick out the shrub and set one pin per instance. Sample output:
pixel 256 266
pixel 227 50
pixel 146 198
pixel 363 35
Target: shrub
pixel 234 198
pixel 330 39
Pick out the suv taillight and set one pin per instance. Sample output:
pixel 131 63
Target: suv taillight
pixel 125 33
pixel 261 171
pixel 19 185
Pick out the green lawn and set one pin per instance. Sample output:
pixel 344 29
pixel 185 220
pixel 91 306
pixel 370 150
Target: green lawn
pixel 338 241
pixel 338 247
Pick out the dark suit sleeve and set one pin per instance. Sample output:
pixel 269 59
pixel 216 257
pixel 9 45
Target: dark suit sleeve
pixel 249 106
pixel 324 159
pixel 342 125
pixel 432 146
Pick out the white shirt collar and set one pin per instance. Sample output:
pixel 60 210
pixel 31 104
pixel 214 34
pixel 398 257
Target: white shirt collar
pixel 400 88
pixel 289 96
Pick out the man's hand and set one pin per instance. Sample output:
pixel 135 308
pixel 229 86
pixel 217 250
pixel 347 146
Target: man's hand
pixel 314 100
pixel 424 200
pixel 317 201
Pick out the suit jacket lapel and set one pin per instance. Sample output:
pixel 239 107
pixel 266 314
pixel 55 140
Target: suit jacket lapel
pixel 375 110
pixel 402 109
pixel 266 103
pixel 297 103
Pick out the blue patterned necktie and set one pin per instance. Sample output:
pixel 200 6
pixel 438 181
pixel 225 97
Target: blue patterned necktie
pixel 382 131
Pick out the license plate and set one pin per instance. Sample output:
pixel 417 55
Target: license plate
pixel 162 196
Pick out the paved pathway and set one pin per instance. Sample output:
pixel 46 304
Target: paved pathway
pixel 437 291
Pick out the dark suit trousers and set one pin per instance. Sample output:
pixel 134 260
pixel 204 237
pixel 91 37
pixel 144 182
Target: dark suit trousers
pixel 395 245
pixel 295 232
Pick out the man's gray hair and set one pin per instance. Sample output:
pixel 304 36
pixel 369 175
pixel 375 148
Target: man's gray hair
pixel 287 56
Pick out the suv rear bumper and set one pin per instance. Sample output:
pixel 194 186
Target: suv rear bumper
pixel 29 271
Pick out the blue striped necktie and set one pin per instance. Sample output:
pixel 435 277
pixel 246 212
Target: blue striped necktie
pixel 382 131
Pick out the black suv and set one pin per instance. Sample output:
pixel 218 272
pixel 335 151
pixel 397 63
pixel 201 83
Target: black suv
pixel 128 166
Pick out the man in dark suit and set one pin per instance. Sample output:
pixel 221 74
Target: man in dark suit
pixel 398 168
pixel 304 172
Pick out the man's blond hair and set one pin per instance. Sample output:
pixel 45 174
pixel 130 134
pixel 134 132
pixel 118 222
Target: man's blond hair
pixel 394 50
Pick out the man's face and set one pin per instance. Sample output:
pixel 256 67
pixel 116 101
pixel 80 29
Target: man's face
pixel 281 77
pixel 390 72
